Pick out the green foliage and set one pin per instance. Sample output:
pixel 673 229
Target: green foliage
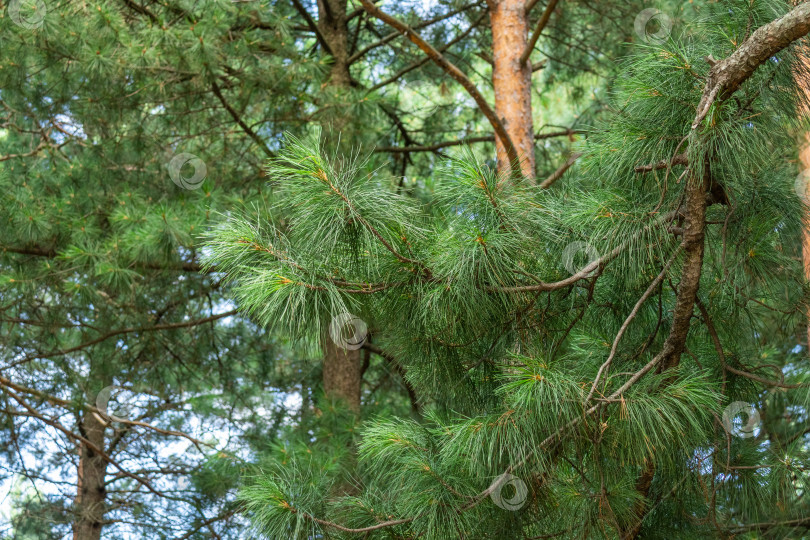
pixel 457 287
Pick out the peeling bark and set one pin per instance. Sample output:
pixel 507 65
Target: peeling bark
pixel 512 82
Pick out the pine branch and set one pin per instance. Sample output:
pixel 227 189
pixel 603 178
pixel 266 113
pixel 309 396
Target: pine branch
pixel 541 25
pixel 726 75
pixel 653 285
pixel 467 140
pixel 71 405
pixel 393 35
pixel 454 72
pixel 83 440
pixel 556 175
pixel 113 333
pixel 238 119
pixel 680 159
pixel 313 26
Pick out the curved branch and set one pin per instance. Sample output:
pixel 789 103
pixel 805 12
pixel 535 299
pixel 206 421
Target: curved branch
pixel 454 72
pixel 541 25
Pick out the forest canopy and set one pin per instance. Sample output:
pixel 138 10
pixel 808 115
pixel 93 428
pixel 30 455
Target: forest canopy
pixel 419 269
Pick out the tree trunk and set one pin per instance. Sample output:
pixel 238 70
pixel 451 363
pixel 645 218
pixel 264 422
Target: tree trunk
pixel 341 367
pixel 512 81
pixel 334 27
pixel 91 494
pixel 803 85
pixel 804 163
pixel 342 372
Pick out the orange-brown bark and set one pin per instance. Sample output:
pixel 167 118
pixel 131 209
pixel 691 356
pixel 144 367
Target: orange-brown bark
pixel 511 79
pixel 803 85
pixel 804 161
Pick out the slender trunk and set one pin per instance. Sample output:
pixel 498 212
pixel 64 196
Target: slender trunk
pixel 342 372
pixel 341 368
pixel 512 81
pixel 803 85
pixel 804 161
pixel 333 25
pixel 91 494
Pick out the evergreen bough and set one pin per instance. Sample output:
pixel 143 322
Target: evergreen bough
pixel 470 289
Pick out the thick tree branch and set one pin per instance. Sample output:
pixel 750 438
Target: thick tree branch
pixel 680 159
pixel 726 76
pixel 724 79
pixel 140 9
pixel 113 333
pixel 407 69
pixel 400 371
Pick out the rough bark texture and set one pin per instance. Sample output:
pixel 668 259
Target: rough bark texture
pixel 693 236
pixel 724 79
pixel 341 368
pixel 333 25
pixel 91 494
pixel 342 372
pixel 727 75
pixel 512 82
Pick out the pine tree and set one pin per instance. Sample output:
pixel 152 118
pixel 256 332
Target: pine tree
pixel 587 352
pixel 99 275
